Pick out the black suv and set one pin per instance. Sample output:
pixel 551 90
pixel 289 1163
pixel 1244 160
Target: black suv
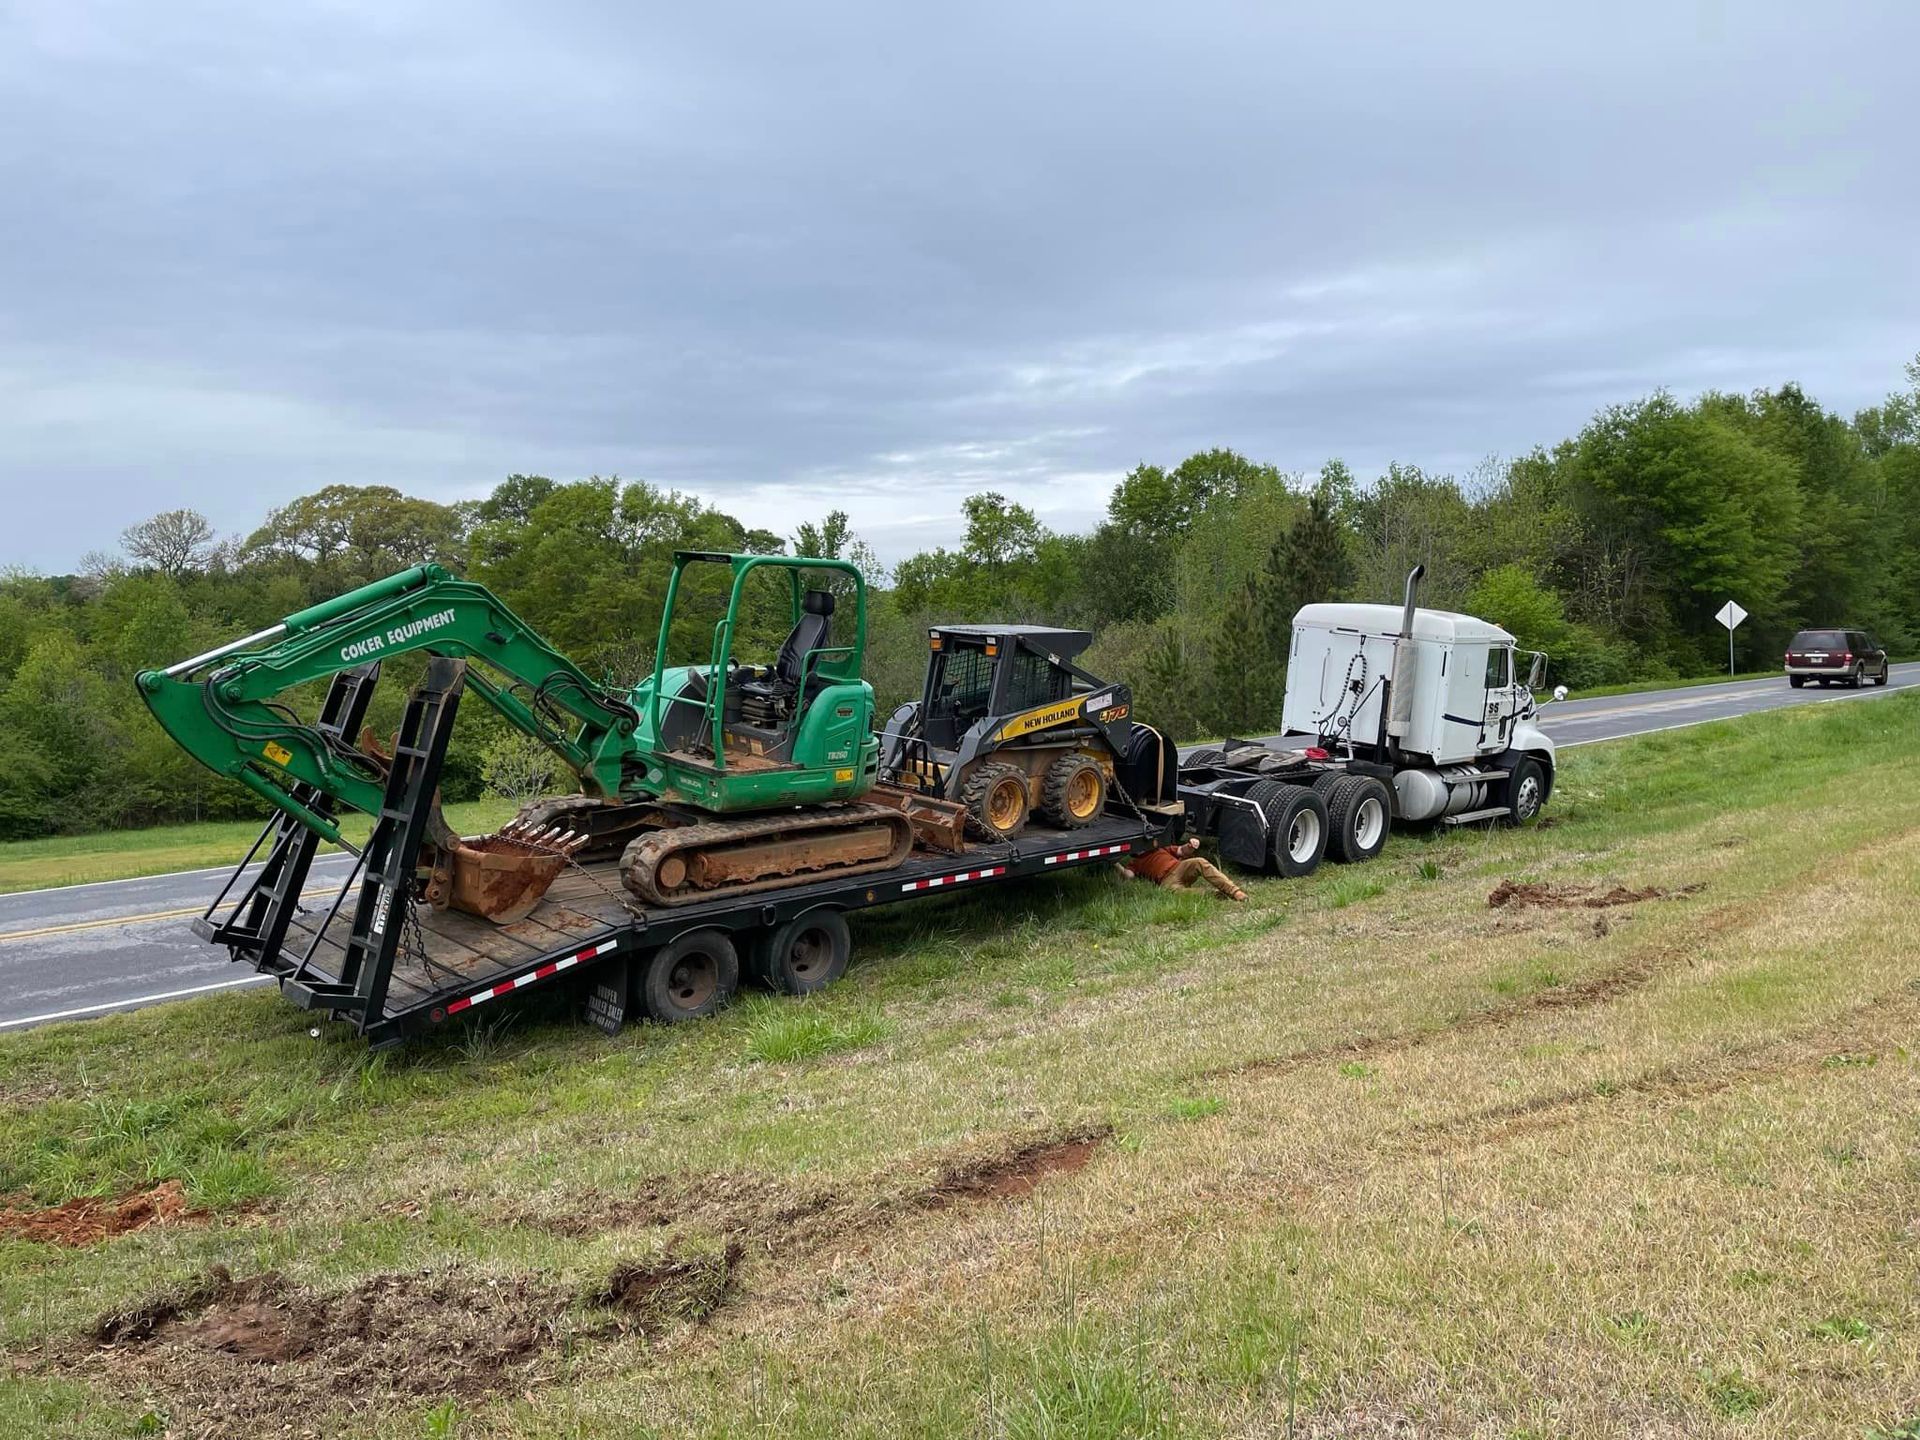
pixel 1844 656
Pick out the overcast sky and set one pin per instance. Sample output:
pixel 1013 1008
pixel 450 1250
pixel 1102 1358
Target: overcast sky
pixel 790 257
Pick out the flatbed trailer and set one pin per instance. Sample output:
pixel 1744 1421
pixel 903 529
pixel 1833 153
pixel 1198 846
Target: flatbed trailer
pixel 424 968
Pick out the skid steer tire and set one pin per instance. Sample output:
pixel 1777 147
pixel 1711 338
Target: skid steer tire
pixel 1359 814
pixel 808 953
pixel 1296 827
pixel 1073 794
pixel 995 795
pixel 691 978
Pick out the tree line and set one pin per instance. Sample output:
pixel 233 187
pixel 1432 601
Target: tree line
pixel 1610 551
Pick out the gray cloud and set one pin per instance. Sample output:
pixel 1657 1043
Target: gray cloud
pixel 792 257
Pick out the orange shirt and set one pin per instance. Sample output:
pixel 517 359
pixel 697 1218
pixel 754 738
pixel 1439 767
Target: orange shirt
pixel 1155 864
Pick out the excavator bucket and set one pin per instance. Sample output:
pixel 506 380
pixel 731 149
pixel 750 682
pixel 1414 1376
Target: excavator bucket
pixel 503 876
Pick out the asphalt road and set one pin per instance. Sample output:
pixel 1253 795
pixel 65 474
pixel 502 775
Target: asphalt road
pixel 88 949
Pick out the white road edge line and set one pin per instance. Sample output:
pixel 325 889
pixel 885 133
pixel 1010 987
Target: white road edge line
pixel 134 1000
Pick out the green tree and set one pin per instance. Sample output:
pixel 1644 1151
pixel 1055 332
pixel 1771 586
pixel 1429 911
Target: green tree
pixel 1308 564
pixel 173 542
pixel 1245 684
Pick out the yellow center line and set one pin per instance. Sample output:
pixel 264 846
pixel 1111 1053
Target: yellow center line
pixel 100 924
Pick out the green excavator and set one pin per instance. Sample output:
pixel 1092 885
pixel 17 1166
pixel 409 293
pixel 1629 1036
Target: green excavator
pixel 707 779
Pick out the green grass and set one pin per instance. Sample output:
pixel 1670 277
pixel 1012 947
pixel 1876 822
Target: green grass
pixel 164 849
pixel 1389 1160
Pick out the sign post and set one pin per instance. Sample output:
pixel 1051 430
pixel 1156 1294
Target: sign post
pixel 1730 615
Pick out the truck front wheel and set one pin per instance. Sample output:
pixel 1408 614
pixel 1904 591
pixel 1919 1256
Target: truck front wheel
pixel 1526 792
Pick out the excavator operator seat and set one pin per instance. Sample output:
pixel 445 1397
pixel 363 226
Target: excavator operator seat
pixel 769 701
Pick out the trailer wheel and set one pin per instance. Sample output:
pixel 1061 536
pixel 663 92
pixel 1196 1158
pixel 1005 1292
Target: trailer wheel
pixel 809 952
pixel 692 977
pixel 1526 792
pixel 1326 780
pixel 1074 793
pixel 996 799
pixel 1359 813
pixel 1296 826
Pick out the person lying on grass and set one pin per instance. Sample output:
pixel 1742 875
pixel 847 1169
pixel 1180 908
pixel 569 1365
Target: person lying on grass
pixel 1178 866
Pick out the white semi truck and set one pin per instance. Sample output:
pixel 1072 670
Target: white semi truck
pixel 1390 714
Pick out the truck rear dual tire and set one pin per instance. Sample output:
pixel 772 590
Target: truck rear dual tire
pixel 1296 827
pixel 1359 815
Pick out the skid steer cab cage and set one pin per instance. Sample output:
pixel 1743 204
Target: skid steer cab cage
pixel 346 935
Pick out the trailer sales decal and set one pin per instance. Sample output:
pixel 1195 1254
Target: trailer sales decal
pixel 399 635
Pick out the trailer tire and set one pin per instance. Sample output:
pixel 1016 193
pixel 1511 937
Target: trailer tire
pixel 1526 791
pixel 1359 814
pixel 995 795
pixel 809 952
pixel 690 978
pixel 1296 827
pixel 1074 793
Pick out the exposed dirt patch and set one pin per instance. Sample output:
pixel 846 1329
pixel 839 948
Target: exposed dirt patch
pixel 673 1291
pixel 1017 1172
pixel 88 1221
pixel 262 1347
pixel 234 1355
pixel 1520 894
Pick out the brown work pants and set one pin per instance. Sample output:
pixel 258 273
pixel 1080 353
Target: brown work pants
pixel 1192 870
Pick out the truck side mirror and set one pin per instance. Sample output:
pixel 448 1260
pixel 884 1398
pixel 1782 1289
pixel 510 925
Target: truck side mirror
pixel 1537 674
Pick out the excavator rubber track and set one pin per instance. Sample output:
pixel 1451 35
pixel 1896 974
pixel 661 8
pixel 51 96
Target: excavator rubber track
pixel 717 858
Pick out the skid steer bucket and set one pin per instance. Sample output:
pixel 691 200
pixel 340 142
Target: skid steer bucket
pixel 937 824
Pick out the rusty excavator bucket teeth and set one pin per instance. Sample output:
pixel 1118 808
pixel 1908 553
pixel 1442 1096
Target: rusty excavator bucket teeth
pixel 500 877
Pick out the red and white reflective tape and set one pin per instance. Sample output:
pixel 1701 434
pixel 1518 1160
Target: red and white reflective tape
pixel 465 1002
pixel 938 880
pixel 1093 854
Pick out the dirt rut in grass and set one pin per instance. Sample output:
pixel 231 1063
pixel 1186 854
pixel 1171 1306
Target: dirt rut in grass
pixel 87 1221
pixel 229 1354
pixel 1522 894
